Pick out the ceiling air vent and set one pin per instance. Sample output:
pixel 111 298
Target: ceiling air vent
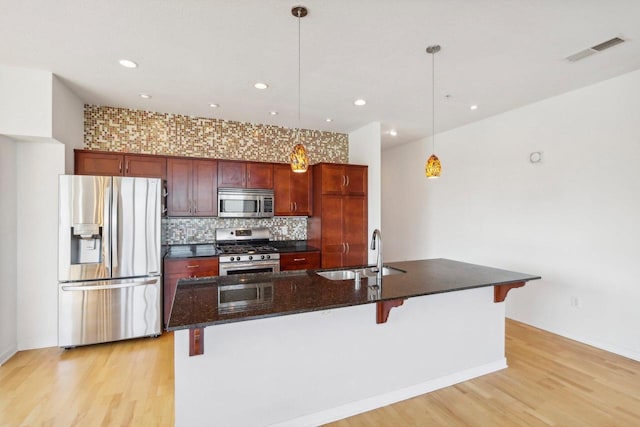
pixel 594 49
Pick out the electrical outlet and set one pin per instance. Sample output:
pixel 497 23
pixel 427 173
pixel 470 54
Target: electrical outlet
pixel 576 302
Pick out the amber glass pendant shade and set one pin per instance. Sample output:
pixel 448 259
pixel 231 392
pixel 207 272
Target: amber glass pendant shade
pixel 299 159
pixel 433 168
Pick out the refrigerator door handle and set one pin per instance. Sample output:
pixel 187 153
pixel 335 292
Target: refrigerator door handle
pixel 115 194
pixel 106 287
pixel 106 234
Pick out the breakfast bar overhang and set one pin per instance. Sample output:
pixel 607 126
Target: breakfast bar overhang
pixel 317 350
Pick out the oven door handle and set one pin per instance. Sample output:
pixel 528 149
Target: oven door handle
pixel 238 265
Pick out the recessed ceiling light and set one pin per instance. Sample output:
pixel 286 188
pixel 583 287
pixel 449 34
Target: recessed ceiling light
pixel 212 105
pixel 261 85
pixel 127 63
pixel 273 113
pixel 473 107
pixel 328 119
pixel 393 132
pixel 145 95
pixel 359 102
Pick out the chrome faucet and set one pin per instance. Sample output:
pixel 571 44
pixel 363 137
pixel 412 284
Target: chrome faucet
pixel 378 268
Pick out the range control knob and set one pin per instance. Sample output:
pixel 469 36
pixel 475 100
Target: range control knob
pixel 250 257
pixel 261 256
pixel 268 256
pixel 231 259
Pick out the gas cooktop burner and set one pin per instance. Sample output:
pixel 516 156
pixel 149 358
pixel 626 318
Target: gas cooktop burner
pixel 232 248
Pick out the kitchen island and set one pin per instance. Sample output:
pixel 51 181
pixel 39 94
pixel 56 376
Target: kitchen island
pixel 316 349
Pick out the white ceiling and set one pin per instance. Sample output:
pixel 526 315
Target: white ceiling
pixel 499 54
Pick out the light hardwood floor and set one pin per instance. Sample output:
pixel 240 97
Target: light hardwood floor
pixel 551 381
pixel 128 383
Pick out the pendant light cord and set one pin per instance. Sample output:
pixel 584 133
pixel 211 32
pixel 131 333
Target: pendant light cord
pixel 299 72
pixel 433 101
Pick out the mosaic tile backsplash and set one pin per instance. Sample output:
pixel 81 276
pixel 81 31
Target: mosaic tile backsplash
pixel 202 230
pixel 137 131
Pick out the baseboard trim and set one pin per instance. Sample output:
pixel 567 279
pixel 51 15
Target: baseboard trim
pixel 360 406
pixel 6 355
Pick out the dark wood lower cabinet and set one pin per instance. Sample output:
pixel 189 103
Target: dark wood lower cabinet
pixel 300 261
pixel 183 268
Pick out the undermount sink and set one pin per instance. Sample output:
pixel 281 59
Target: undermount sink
pixel 390 270
pixel 351 274
pixel 338 274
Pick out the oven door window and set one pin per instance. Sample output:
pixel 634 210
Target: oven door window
pixel 238 206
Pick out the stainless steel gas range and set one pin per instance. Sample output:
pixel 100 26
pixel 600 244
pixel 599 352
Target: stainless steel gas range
pixel 246 250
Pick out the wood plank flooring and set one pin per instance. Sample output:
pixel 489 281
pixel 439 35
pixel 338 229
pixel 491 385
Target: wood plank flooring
pixel 128 383
pixel 551 381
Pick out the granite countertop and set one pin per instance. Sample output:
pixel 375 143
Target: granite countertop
pixel 195 250
pixel 284 246
pixel 196 300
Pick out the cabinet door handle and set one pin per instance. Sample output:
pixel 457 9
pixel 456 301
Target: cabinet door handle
pixel 120 166
pixel 299 259
pixel 344 181
pixel 248 176
pixel 348 180
pixel 295 206
pixel 195 207
pixel 344 248
pixel 126 168
pixel 290 206
pixel 348 249
pixel 193 266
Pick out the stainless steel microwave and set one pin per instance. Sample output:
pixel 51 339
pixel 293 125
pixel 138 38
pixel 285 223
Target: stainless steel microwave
pixel 245 203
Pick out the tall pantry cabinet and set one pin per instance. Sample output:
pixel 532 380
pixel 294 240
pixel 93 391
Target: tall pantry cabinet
pixel 339 225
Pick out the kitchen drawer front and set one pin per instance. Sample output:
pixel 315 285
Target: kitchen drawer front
pixel 300 261
pixel 192 267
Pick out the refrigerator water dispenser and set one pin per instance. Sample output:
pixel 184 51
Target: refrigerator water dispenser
pixel 86 241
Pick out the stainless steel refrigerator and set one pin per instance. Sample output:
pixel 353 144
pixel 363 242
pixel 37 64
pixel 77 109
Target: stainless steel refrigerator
pixel 109 260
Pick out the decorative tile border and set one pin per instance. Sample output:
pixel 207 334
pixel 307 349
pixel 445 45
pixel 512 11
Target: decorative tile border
pixel 137 131
pixel 202 230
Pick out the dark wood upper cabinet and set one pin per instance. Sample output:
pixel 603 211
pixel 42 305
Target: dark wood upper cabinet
pixel 106 164
pixel 343 179
pixel 292 191
pixel 192 187
pixel 117 164
pixel 145 166
pixel 179 183
pixel 205 187
pixel 237 174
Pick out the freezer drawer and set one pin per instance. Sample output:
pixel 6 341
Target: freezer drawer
pixel 108 310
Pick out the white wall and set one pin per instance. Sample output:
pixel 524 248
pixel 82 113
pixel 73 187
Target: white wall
pixel 8 241
pixel 25 102
pixel 312 368
pixel 365 149
pixel 39 111
pixel 573 218
pixel 68 120
pixel 38 167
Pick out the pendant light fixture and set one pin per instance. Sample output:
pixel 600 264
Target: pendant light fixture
pixel 299 159
pixel 433 168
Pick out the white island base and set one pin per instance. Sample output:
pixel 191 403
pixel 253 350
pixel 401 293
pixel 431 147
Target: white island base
pixel 313 368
